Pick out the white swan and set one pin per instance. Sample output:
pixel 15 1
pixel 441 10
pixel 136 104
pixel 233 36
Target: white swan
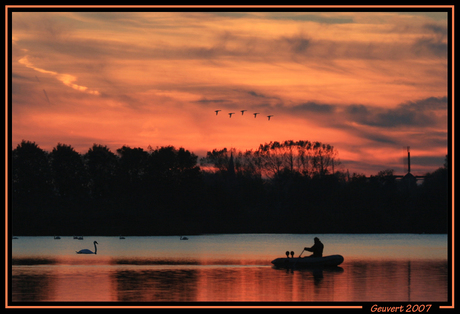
pixel 86 251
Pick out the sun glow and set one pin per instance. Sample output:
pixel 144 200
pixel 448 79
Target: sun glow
pixel 354 80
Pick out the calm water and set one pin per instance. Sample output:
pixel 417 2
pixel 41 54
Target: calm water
pixel 228 268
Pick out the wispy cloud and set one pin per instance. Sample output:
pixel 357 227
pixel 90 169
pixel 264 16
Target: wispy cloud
pixel 430 112
pixel 66 79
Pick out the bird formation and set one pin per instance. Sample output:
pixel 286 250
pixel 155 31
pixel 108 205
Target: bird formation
pixel 242 113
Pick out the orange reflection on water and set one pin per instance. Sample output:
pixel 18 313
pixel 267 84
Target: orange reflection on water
pixel 83 278
pixel 86 283
pixel 265 284
pixel 98 278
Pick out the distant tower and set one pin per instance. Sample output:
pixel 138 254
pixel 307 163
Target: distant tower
pixel 231 166
pixel 408 159
pixel 409 179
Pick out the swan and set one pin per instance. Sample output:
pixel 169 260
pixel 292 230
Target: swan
pixel 183 238
pixel 86 251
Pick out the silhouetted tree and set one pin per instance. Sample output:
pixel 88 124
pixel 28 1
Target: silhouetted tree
pixel 433 201
pixel 132 169
pixel 31 187
pixel 102 166
pixel 171 170
pixel 219 159
pixel 324 158
pixel 68 172
pixel 302 156
pixel 280 187
pixel 31 173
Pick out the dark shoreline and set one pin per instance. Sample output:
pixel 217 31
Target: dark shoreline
pixel 165 192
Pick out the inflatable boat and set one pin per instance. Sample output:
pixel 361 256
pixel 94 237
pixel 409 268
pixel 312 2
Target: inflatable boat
pixel 325 261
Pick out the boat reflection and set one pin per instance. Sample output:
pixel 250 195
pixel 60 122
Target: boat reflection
pixel 317 272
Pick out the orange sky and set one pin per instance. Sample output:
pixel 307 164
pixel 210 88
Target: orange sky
pixel 368 83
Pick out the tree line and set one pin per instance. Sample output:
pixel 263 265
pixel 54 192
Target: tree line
pixel 281 187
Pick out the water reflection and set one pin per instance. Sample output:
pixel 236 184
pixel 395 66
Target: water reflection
pixel 30 287
pixel 176 281
pixel 417 280
pixel 33 261
pixel 153 261
pixel 317 272
pixel 150 285
pixel 224 269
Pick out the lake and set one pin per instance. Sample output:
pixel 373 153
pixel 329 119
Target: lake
pixel 228 268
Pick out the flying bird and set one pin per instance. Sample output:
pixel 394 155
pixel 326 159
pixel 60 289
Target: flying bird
pixel 46 96
pixel 217 111
pixel 230 114
pixel 242 112
pixel 255 114
pixel 269 117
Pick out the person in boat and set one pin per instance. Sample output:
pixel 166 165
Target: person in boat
pixel 317 248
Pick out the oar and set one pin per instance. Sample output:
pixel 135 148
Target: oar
pixel 298 258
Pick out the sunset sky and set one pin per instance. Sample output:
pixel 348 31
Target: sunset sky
pixel 367 83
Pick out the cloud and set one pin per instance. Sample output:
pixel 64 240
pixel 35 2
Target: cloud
pixel 212 101
pixel 312 17
pixel 438 29
pixel 298 44
pixel 421 113
pixel 253 93
pixel 312 107
pixel 66 79
pixel 205 35
pixel 211 43
pixel 342 79
pixel 420 122
pixel 430 47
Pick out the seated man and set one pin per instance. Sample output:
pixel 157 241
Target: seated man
pixel 317 248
